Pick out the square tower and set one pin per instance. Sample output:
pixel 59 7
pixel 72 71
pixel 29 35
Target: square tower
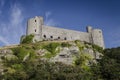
pixel 34 26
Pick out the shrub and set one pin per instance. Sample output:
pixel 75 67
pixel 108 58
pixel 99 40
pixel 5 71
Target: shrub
pixel 65 44
pixel 76 41
pixel 28 39
pixel 51 47
pixel 21 52
pixel 96 47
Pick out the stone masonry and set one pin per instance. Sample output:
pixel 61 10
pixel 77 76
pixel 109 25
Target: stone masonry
pixel 41 32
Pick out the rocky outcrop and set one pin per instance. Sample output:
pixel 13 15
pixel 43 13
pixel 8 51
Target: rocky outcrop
pixel 69 54
pixel 66 52
pixel 66 55
pixel 4 53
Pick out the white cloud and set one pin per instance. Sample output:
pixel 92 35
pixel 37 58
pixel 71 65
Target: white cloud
pixel 13 29
pixel 47 14
pixel 49 21
pixel 16 15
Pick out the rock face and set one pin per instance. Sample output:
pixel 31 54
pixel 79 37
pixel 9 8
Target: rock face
pixel 68 55
pixel 4 53
pixel 66 52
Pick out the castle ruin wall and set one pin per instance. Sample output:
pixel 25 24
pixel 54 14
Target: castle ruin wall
pixel 36 27
pixel 64 34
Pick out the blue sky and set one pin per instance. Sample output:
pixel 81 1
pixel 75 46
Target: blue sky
pixel 69 14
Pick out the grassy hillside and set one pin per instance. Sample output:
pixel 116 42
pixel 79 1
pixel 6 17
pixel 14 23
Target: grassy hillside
pixel 48 60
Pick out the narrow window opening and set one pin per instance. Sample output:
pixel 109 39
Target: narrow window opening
pixel 35 20
pixel 58 37
pixel 35 30
pixel 65 38
pixel 44 36
pixel 51 36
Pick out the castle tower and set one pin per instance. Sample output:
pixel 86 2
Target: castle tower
pixel 95 36
pixel 89 30
pixel 34 26
pixel 98 37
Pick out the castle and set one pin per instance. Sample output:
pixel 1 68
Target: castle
pixel 41 32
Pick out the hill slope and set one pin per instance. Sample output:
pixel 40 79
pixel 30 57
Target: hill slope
pixel 66 57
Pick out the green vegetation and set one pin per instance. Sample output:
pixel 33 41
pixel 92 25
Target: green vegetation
pixel 52 49
pixel 97 48
pixel 22 51
pixel 42 70
pixel 65 44
pixel 77 41
pixel 25 65
pixel 110 64
pixel 28 39
pixel 94 47
pixel 108 67
pixel 80 45
pixel 83 61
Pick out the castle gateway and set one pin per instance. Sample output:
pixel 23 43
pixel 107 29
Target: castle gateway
pixel 41 32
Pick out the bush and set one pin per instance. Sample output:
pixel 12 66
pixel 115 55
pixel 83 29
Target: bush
pixel 77 41
pixel 21 52
pixel 51 47
pixel 83 59
pixel 98 48
pixel 65 44
pixel 28 39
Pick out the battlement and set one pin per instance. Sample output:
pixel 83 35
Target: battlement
pixel 36 27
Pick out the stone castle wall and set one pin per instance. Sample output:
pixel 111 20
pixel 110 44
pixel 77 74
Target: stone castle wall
pixel 42 32
pixel 63 34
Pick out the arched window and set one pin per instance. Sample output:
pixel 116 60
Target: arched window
pixel 35 30
pixel 44 36
pixel 35 20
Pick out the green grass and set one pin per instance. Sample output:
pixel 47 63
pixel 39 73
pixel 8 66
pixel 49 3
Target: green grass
pixel 51 48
